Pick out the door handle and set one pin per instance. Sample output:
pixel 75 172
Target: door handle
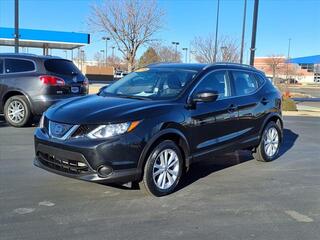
pixel 232 108
pixel 264 101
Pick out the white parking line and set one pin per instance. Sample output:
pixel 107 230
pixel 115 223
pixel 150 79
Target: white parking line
pixel 298 216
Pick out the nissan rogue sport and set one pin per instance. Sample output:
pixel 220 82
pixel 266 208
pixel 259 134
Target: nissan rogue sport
pixel 151 125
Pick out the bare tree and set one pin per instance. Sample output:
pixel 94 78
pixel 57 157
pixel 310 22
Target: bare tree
pixel 274 62
pixel 203 49
pixel 98 57
pixel 130 23
pixel 115 62
pixel 167 53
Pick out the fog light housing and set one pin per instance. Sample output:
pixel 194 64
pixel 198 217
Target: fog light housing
pixel 104 171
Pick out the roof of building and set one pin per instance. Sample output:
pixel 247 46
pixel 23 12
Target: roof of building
pixel 315 59
pixel 44 38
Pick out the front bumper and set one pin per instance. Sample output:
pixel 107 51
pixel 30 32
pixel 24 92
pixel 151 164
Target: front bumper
pixel 81 159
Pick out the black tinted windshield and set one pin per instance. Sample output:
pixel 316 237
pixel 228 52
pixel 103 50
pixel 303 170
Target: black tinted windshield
pixel 151 83
pixel 61 66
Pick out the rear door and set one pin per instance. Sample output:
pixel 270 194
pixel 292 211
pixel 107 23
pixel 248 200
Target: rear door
pixel 75 82
pixel 251 104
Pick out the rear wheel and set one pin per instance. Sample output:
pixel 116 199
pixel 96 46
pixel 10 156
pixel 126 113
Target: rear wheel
pixel 163 169
pixel 17 111
pixel 269 146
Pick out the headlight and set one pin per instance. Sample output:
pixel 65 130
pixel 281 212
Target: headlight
pixel 41 122
pixel 111 130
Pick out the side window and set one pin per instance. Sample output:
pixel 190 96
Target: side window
pixel 244 82
pixel 260 79
pixel 215 81
pixel 1 66
pixel 18 65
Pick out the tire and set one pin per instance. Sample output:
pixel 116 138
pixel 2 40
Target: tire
pixel 20 104
pixel 267 150
pixel 168 177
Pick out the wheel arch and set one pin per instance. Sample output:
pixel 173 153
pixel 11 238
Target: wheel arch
pixel 12 93
pixel 172 134
pixel 274 117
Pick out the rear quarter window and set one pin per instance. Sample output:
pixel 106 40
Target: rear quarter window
pixel 61 66
pixel 244 82
pixel 18 65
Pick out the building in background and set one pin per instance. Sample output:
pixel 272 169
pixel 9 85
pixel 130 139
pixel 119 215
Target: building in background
pixel 302 70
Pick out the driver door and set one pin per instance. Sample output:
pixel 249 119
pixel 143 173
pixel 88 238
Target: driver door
pixel 213 123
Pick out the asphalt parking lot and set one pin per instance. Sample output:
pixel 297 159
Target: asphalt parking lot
pixel 230 197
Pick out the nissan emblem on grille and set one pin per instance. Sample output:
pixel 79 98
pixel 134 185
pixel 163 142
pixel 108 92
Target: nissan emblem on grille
pixel 61 130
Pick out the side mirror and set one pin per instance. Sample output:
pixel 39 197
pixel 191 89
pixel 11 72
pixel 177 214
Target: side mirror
pixel 102 89
pixel 209 96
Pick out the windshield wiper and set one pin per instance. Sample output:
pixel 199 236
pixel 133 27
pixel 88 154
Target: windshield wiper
pixel 132 97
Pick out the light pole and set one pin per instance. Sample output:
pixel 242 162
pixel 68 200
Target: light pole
pixel 113 47
pixel 186 54
pixel 176 53
pixel 16 26
pixel 216 37
pixel 82 58
pixel 243 30
pixel 223 51
pixel 190 54
pixel 254 31
pixel 106 39
pixel 288 58
pixel 102 51
pixel 65 51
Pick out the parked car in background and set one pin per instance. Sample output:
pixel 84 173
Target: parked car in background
pixel 119 74
pixel 29 84
pixel 154 123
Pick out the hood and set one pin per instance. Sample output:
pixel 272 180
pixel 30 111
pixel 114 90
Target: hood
pixel 95 109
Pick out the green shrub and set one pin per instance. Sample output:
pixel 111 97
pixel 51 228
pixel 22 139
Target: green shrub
pixel 288 104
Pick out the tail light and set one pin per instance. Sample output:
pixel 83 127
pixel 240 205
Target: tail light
pixel 86 82
pixel 52 80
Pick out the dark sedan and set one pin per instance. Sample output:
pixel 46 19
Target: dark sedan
pixel 154 123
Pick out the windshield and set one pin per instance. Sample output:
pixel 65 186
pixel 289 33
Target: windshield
pixel 151 83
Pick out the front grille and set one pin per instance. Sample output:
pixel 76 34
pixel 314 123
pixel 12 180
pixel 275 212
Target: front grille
pixel 71 166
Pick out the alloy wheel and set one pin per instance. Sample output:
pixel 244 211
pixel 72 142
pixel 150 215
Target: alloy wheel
pixel 166 169
pixel 271 142
pixel 16 111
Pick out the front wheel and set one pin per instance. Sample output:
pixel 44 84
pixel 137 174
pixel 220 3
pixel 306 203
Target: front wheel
pixel 269 146
pixel 163 169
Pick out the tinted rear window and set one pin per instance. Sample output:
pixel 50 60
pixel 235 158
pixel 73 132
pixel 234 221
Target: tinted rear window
pixel 18 65
pixel 60 66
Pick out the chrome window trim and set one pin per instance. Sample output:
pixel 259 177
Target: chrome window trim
pixel 229 72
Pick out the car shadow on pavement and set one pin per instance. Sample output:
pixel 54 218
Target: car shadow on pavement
pixel 3 121
pixel 202 169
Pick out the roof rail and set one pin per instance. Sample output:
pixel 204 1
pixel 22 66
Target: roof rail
pixel 230 64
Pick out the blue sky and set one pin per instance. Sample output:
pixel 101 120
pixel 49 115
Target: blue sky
pixel 278 21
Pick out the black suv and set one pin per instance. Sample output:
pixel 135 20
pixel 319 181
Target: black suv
pixel 154 123
pixel 29 84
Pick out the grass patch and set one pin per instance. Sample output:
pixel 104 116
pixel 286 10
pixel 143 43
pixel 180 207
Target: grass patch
pixel 288 104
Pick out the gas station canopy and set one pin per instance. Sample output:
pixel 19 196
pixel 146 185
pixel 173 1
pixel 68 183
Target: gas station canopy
pixel 44 39
pixel 306 60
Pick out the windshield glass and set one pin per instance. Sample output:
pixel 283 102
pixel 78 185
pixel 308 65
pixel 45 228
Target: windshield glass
pixel 151 83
